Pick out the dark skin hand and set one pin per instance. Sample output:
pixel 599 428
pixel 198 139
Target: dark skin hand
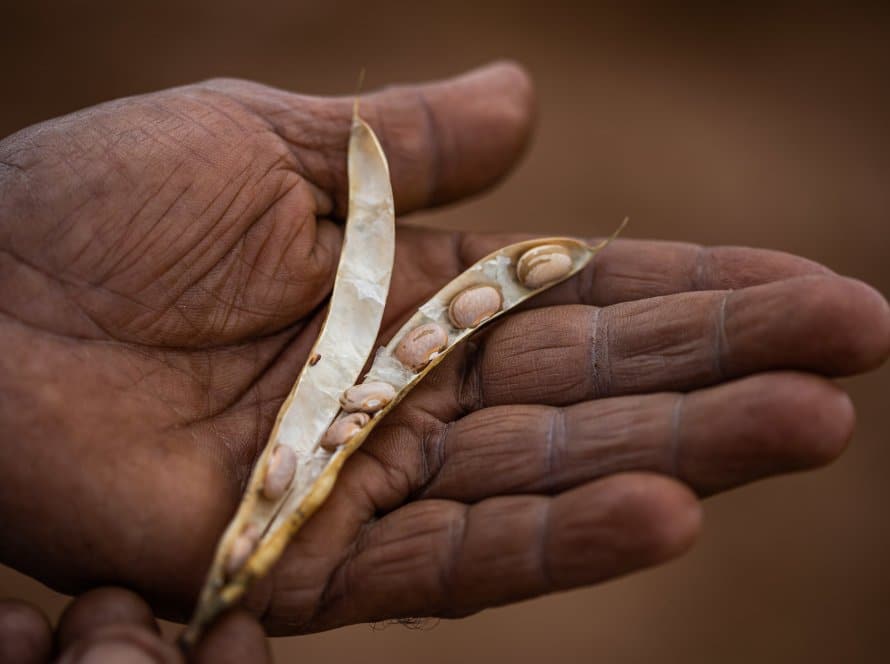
pixel 116 626
pixel 165 260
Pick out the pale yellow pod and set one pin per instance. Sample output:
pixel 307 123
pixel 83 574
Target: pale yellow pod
pixel 346 339
pixel 306 423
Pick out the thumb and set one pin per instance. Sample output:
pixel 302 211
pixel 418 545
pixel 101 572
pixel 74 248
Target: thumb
pixel 444 140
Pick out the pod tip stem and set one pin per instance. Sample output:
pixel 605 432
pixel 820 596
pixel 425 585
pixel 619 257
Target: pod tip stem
pixel 603 243
pixel 358 90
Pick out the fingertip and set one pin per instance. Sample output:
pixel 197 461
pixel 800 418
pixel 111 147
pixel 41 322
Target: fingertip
pixel 849 322
pixel 869 325
pixel 25 633
pixel 236 637
pixel 511 81
pixel 100 608
pixel 819 419
pixel 668 513
pixel 827 324
pixel 489 115
pixel 841 415
pixel 620 524
pixel 449 139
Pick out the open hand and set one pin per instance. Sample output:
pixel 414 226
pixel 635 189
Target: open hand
pixel 165 261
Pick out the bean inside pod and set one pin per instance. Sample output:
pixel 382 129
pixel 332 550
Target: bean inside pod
pixel 420 345
pixel 343 429
pixel 367 397
pixel 280 472
pixel 474 305
pixel 244 545
pixel 543 264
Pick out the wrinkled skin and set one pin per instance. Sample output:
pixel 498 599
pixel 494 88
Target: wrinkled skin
pixel 165 260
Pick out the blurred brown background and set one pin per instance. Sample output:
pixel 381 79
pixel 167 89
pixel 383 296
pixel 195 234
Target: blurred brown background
pixel 762 124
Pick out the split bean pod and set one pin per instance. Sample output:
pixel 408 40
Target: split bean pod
pixel 328 414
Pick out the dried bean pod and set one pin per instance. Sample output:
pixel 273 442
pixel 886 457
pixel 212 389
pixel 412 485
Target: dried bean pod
pixel 346 328
pixel 498 269
pixel 345 341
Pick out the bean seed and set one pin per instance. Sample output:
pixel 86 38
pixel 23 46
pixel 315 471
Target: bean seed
pixel 242 548
pixel 343 429
pixel 367 397
pixel 543 264
pixel 282 466
pixel 419 346
pixel 474 305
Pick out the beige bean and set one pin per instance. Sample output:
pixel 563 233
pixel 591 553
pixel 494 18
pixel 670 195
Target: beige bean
pixel 280 472
pixel 474 305
pixel 419 346
pixel 343 429
pixel 543 264
pixel 367 397
pixel 242 547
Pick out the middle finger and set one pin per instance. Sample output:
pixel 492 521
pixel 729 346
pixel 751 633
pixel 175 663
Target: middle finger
pixel 573 353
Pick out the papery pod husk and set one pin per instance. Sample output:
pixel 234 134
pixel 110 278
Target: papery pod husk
pixel 341 350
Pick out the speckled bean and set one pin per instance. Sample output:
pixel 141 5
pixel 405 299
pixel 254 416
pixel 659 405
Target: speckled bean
pixel 420 345
pixel 543 264
pixel 343 429
pixel 282 466
pixel 474 305
pixel 367 397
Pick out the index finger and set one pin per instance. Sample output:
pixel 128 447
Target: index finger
pixel 629 270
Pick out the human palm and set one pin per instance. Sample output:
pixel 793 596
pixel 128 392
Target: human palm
pixel 166 261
